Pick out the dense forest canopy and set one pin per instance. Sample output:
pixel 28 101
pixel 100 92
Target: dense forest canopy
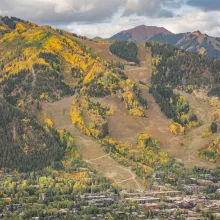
pixel 25 145
pixel 125 50
pixel 176 67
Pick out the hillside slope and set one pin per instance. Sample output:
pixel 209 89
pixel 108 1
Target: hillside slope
pixel 7 24
pixel 122 127
pixel 92 151
pixel 24 144
pixel 186 70
pixel 40 63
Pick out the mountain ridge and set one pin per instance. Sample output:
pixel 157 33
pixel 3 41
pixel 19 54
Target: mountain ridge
pixel 195 41
pixel 140 34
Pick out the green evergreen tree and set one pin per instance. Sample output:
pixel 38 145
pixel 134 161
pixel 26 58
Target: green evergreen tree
pixel 214 127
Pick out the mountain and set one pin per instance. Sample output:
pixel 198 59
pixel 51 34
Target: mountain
pixel 140 34
pixel 39 65
pixel 78 125
pixel 194 42
pixel 191 41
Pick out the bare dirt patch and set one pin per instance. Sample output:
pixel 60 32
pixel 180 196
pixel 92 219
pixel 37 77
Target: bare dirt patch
pixel 142 72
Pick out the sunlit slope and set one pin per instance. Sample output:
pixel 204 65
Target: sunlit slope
pixel 40 63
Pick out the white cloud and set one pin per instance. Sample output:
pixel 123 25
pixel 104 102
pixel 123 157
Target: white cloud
pixel 205 22
pixel 62 11
pixel 192 20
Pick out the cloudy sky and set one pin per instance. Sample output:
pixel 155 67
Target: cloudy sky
pixel 107 17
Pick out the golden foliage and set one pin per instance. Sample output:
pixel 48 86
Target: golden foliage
pixel 176 128
pixel 20 27
pixel 25 120
pixel 34 35
pixel 216 115
pixel 3 28
pixel 110 112
pixel 77 119
pixel 44 96
pixel 142 140
pixel 136 112
pixel 132 104
pixel 211 152
pixel 26 148
pixel 95 70
pixel 48 122
pixel 54 44
pixel 206 133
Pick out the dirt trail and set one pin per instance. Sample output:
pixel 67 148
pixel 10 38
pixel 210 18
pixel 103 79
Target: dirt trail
pixel 90 149
pixel 34 78
pixel 142 72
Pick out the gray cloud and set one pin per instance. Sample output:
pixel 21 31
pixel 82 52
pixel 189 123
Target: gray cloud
pixel 107 17
pixel 205 5
pixel 62 12
pixel 155 8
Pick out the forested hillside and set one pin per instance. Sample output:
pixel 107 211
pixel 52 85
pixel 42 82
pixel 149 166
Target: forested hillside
pixel 187 70
pixel 92 121
pixel 125 50
pixel 8 24
pixel 40 63
pixel 71 117
pixel 25 145
pixel 193 42
pixel 41 166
